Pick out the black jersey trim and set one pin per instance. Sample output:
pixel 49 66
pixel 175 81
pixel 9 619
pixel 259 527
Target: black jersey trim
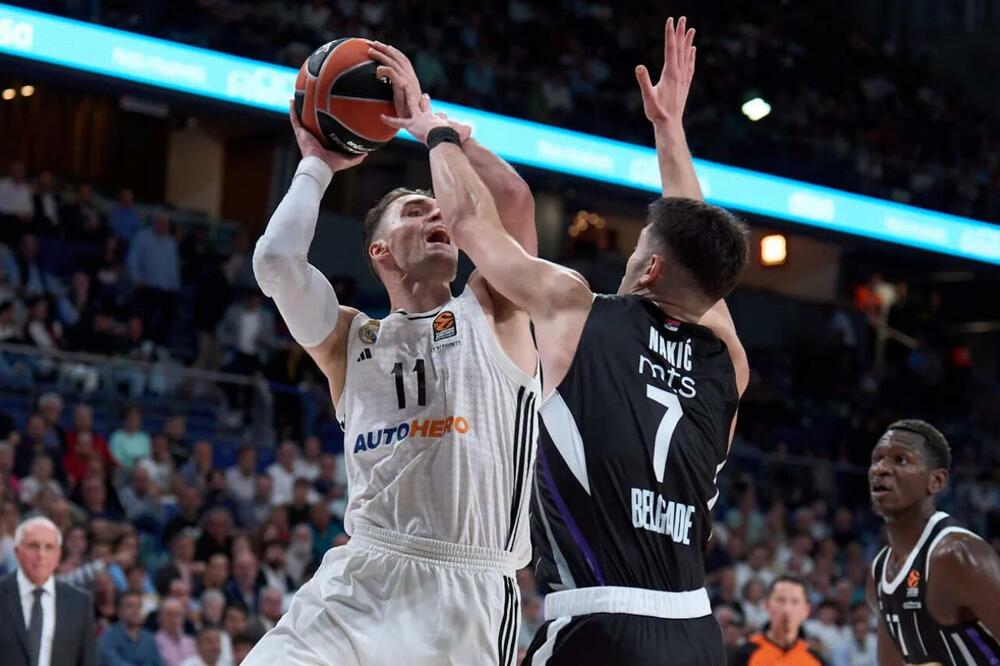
pixel 524 431
pixel 507 636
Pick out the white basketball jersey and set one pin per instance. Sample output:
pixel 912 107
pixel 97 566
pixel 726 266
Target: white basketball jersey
pixel 439 429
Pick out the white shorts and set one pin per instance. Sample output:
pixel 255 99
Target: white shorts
pixel 389 598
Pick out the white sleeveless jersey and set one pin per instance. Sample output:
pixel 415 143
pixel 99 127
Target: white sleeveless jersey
pixel 439 429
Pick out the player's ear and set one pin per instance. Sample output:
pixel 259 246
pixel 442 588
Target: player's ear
pixel 652 270
pixel 938 481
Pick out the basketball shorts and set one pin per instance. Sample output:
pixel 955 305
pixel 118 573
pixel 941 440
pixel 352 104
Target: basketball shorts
pixel 387 598
pixel 618 625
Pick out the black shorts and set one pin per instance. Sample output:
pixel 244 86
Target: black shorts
pixel 636 640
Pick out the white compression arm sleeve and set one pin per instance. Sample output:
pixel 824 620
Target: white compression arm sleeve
pixel 304 296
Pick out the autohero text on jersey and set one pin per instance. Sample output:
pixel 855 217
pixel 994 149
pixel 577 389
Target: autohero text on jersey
pixel 678 359
pixel 417 428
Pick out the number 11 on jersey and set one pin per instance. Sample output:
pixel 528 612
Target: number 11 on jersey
pixel 418 368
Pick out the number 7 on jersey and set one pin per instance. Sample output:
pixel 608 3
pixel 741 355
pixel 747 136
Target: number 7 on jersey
pixel 665 431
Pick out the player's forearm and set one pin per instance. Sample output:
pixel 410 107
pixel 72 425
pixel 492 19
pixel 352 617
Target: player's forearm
pixel 464 199
pixel 677 175
pixel 511 195
pixel 304 296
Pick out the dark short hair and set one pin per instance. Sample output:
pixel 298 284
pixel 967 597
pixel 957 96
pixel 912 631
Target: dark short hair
pixel 935 444
pixel 794 580
pixel 707 241
pixel 243 639
pixel 374 216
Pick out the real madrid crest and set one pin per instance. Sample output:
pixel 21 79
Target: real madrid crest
pixel 368 333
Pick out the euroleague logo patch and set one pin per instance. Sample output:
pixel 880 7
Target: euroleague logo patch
pixel 913 583
pixel 444 326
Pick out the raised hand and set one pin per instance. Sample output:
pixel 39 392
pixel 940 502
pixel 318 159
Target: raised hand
pixel 664 102
pixel 309 145
pixel 464 131
pixel 419 119
pixel 396 67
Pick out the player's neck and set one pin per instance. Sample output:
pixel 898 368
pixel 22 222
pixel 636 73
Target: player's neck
pixel 906 527
pixel 671 306
pixel 418 296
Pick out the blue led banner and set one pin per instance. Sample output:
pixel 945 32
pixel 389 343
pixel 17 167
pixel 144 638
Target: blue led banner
pixel 174 66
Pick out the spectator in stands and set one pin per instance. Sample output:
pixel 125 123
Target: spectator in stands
pixel 298 508
pixel 213 605
pixel 255 513
pixel 308 464
pixel 234 623
pixel 274 570
pixel 209 649
pixel 756 566
pixel 141 501
pixel 826 628
pixel 43 330
pixel 242 644
pixel 215 576
pixel 160 463
pixel 240 478
pixel 77 460
pixel 31 444
pixel 10 328
pixel 239 266
pixel 50 407
pixel 154 266
pixel 195 472
pixel 216 536
pixel 271 600
pixel 83 218
pixel 46 205
pixel 105 602
pixel 326 485
pixel 175 428
pixel 130 443
pixel 26 271
pixel 246 582
pixel 859 648
pixel 172 643
pixel 188 513
pixel 109 277
pixel 123 220
pixel 754 604
pixel 83 422
pixel 126 641
pixel 283 473
pixel 40 479
pixel 325 529
pixel 181 564
pixel 16 206
pixel 782 642
pixel 95 502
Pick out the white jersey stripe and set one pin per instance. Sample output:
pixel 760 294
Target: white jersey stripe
pixel 566 436
pixel 964 650
pixel 951 655
pixel 916 627
pixel 544 653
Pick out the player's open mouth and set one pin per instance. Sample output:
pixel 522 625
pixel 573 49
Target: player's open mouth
pixel 880 489
pixel 438 235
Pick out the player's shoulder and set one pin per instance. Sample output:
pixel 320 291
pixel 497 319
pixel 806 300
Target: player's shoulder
pixel 959 554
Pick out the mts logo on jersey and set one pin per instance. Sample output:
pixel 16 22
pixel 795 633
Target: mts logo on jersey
pixel 678 361
pixel 427 428
pixel 651 512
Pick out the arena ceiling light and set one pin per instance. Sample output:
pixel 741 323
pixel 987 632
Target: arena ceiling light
pixel 756 109
pixel 219 76
pixel 773 250
pixel 27 91
pixel 9 94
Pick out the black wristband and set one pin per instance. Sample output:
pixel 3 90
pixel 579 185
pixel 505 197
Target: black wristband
pixel 440 135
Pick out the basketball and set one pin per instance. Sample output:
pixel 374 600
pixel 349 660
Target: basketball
pixel 339 99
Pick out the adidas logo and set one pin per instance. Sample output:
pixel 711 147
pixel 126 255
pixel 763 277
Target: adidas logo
pixel 366 354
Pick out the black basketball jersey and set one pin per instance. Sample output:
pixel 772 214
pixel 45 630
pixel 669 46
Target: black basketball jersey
pixel 902 606
pixel 630 445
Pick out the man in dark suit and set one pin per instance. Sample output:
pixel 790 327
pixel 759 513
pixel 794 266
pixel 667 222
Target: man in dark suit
pixel 34 607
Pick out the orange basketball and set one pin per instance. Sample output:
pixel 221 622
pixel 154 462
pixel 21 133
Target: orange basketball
pixel 339 99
